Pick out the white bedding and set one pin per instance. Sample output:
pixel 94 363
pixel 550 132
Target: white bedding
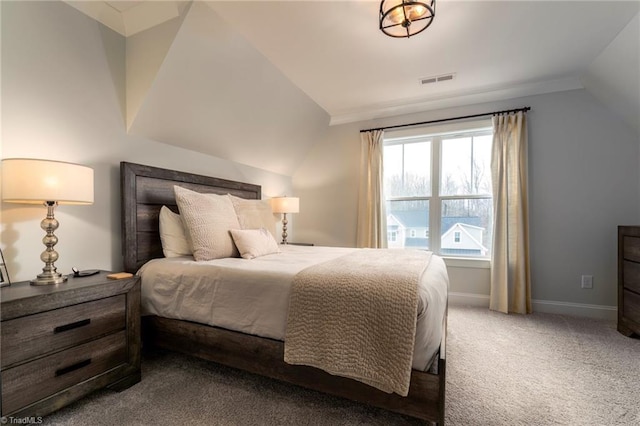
pixel 252 296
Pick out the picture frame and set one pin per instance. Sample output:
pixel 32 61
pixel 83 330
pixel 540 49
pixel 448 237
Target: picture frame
pixel 5 280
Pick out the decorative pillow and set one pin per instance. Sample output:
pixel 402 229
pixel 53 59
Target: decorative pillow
pixel 208 219
pixel 253 243
pixel 254 214
pixel 173 235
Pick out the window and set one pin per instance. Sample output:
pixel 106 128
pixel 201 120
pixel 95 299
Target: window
pixel 437 184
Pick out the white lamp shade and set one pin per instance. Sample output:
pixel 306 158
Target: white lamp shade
pixel 285 204
pixel 31 181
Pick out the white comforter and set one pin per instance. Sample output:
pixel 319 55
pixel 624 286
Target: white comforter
pixel 252 296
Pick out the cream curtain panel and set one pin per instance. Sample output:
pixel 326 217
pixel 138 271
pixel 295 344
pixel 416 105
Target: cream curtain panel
pixel 372 219
pixel 510 268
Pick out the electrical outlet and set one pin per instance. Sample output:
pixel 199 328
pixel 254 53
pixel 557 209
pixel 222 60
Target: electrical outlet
pixel 587 281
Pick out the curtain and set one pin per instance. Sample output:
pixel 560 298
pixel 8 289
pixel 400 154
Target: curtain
pixel 372 220
pixel 510 268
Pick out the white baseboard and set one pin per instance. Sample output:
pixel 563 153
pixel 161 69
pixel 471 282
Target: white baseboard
pixel 576 309
pixel 469 299
pixel 547 306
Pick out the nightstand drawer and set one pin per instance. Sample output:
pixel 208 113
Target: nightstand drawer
pixel 35 335
pixel 631 276
pixel 631 247
pixel 631 306
pixel 30 382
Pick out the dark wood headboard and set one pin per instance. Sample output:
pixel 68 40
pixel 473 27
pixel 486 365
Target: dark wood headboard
pixel 145 189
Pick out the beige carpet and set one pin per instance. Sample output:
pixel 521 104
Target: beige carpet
pixel 539 369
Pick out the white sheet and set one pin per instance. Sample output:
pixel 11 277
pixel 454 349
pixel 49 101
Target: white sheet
pixel 252 296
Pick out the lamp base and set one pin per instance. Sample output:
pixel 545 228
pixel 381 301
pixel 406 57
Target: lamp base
pixel 49 275
pixel 49 279
pixel 284 229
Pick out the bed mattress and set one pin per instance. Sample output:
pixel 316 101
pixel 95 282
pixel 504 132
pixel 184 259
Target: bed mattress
pixel 252 296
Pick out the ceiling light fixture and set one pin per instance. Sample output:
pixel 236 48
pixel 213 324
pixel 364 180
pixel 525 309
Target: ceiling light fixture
pixel 404 18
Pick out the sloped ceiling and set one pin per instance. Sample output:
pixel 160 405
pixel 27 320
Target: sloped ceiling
pixel 213 92
pixel 257 82
pixel 614 77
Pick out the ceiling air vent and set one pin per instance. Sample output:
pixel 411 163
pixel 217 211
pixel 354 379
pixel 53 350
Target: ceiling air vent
pixel 437 78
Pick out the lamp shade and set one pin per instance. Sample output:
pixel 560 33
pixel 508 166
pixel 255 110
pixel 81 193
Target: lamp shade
pixel 285 204
pixel 31 181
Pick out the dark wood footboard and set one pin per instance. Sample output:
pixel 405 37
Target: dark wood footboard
pixel 265 357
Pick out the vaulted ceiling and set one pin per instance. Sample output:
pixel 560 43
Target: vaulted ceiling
pixel 199 72
pixel 336 54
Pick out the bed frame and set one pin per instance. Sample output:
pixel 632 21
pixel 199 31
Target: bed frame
pixel 145 190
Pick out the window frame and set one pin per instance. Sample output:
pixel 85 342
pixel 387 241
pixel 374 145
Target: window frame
pixel 436 135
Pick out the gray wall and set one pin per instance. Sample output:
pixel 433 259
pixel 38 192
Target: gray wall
pixel 63 85
pixel 583 183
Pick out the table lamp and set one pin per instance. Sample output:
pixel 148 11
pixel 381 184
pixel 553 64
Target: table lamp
pixel 285 205
pixel 31 181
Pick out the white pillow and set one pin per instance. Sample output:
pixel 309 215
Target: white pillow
pixel 254 214
pixel 254 243
pixel 208 219
pixel 173 235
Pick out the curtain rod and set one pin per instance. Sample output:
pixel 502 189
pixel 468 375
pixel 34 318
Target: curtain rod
pixel 507 111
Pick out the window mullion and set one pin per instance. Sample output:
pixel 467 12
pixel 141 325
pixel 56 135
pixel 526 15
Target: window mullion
pixel 464 197
pixel 435 202
pixel 421 198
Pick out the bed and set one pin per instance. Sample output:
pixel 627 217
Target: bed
pixel 145 190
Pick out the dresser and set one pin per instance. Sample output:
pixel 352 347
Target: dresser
pixel 629 280
pixel 61 342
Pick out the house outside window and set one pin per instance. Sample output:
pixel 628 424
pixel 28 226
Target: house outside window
pixel 437 184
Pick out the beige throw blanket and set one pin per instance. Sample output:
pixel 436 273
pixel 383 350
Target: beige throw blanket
pixel 355 316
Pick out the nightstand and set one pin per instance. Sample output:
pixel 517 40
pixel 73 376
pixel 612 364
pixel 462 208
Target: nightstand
pixel 301 244
pixel 629 280
pixel 61 342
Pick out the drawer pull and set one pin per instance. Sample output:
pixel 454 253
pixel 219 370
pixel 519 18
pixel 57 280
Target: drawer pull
pixel 73 367
pixel 71 326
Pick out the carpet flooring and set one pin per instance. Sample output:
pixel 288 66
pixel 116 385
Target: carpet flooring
pixel 539 369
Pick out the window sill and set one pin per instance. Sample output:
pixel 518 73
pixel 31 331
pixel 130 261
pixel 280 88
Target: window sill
pixel 465 262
